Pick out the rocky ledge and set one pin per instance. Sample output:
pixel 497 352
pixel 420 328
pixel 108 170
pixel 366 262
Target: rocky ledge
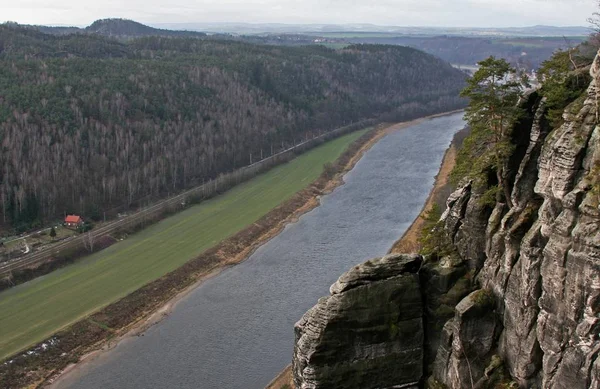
pixel 368 333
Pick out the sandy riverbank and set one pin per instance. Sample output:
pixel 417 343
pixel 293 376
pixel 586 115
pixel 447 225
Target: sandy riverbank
pixel 409 242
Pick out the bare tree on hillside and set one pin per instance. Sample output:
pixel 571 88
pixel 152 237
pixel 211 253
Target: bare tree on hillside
pixel 88 241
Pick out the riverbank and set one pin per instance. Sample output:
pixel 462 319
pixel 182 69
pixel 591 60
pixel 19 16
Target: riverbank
pixel 35 311
pixel 65 252
pixel 408 242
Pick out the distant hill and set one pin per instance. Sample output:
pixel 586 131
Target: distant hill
pixel 117 28
pixel 526 47
pixel 543 31
pixel 524 52
pixel 130 28
pixel 57 30
pixel 124 28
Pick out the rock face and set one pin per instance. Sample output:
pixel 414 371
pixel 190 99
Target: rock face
pixel 541 258
pixel 535 320
pixel 468 342
pixel 368 333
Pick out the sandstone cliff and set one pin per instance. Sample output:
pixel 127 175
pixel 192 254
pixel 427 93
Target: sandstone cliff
pixel 368 333
pixel 519 302
pixel 541 258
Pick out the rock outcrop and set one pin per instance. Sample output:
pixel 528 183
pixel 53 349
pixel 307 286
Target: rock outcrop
pixel 468 342
pixel 368 333
pixel 534 320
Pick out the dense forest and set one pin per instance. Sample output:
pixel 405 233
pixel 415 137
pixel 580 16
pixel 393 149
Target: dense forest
pixel 88 123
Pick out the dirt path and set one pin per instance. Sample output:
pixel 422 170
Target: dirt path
pixel 284 378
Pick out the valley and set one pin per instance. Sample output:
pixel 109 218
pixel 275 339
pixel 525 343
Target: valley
pixel 321 203
pixel 235 329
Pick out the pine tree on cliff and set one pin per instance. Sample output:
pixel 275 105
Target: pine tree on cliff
pixel 494 92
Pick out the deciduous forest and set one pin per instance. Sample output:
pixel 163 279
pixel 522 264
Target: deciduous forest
pixel 88 123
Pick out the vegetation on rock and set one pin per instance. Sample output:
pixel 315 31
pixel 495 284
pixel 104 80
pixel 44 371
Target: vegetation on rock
pixel 493 93
pixel 564 78
pixel 538 253
pixel 433 239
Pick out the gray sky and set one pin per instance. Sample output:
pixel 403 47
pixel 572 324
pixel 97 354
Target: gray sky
pixel 442 13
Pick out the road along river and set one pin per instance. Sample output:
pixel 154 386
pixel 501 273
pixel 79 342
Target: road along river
pixel 236 329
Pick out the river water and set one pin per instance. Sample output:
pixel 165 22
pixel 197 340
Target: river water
pixel 236 329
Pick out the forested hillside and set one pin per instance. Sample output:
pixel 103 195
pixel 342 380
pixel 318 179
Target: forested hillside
pixel 88 123
pixel 523 52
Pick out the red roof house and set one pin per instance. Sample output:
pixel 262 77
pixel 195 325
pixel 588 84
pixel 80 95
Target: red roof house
pixel 73 220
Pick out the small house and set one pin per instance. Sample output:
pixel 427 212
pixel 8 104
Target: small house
pixel 73 221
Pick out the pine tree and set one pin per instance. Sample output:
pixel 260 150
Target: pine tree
pixel 494 92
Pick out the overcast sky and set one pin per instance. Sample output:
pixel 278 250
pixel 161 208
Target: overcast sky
pixel 443 13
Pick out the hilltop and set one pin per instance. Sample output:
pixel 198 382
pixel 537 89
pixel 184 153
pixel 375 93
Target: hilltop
pixel 117 28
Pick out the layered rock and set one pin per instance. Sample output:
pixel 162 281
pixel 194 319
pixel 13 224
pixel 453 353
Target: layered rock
pixel 468 342
pixel 368 333
pixel 542 256
pixel 467 234
pixel 444 284
pixel 568 323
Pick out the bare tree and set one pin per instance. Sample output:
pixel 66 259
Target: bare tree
pixel 89 240
pixel 594 20
pixel 593 40
pixel 572 51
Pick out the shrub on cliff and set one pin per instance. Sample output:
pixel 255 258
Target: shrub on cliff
pixel 564 78
pixel 433 239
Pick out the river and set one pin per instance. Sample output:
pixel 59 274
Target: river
pixel 236 329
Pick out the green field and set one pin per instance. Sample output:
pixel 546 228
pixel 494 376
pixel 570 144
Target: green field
pixel 34 311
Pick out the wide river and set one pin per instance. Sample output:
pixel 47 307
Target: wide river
pixel 236 330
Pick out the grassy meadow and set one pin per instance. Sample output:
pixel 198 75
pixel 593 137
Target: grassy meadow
pixel 33 311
